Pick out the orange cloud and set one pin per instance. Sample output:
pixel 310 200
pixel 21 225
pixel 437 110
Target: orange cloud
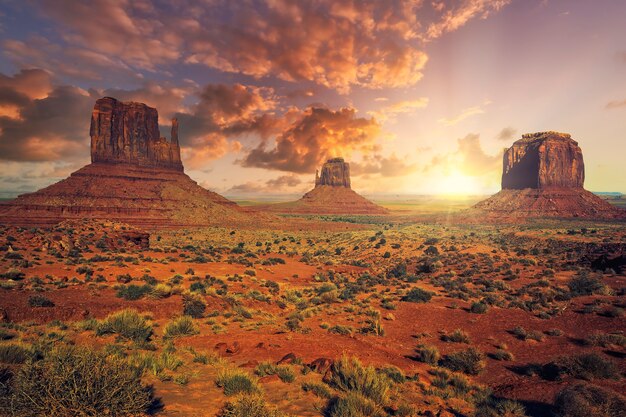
pixel 316 135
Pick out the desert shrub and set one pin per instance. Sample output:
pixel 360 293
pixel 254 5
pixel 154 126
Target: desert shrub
pixel 193 306
pixel 394 374
pixel 470 361
pixel 249 406
pixel 319 390
pixel 479 308
pixel 39 301
pixel 584 366
pixel 502 355
pixel 339 329
pixel 351 376
pixel 127 324
pixel 606 340
pixel 72 381
pixel 500 408
pixel 235 381
pixel 180 326
pixel 284 372
pixel 353 404
pixel 457 336
pixel 524 334
pixel 417 295
pixel 133 292
pixel 155 364
pixel 585 284
pixel 161 291
pixel 14 353
pixel 428 354
pixel 584 400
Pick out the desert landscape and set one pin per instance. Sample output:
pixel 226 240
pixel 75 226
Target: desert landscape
pixel 131 286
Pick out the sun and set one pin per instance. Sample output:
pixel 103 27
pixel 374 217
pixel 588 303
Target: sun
pixel 457 184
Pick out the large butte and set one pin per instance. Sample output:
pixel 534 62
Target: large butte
pixel 136 177
pixel 543 176
pixel 332 195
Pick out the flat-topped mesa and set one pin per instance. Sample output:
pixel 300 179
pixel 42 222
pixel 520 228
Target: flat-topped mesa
pixel 128 132
pixel 543 160
pixel 335 172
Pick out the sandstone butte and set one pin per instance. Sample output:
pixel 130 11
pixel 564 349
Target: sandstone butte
pixel 332 194
pixel 135 177
pixel 543 176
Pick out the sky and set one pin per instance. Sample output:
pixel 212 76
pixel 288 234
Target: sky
pixel 420 96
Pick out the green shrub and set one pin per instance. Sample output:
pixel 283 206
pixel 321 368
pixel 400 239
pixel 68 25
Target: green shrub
pixel 72 381
pixel 39 301
pixel 354 404
pixel 500 408
pixel 128 324
pixel 428 354
pixel 319 390
pixel 180 326
pixel 584 284
pixel 584 366
pixel 479 308
pixel 585 400
pixel 417 295
pixel 284 372
pixel 193 306
pixel 249 406
pixel 235 381
pixel 606 340
pixel 133 292
pixel 14 353
pixel 457 336
pixel 470 361
pixel 350 375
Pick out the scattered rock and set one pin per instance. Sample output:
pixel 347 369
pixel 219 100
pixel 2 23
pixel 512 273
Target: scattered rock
pixel 321 365
pixel 287 359
pixel 233 349
pixel 252 363
pixel 4 316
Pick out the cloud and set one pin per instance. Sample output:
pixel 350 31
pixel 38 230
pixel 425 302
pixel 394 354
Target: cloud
pixel 616 104
pixel 275 185
pixel 48 129
pixel 391 166
pixel 506 134
pixel 400 107
pixel 455 17
pixel 470 111
pixel 33 83
pixel 469 158
pixel 367 43
pixel 315 135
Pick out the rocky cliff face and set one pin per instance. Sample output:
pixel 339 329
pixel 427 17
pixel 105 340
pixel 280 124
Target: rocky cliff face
pixel 543 176
pixel 128 132
pixel 543 160
pixel 335 172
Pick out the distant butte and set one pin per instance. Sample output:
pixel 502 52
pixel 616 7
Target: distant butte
pixel 332 195
pixel 543 176
pixel 135 177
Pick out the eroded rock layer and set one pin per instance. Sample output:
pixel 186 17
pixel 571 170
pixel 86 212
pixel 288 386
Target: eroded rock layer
pixel 335 173
pixel 128 132
pixel 543 160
